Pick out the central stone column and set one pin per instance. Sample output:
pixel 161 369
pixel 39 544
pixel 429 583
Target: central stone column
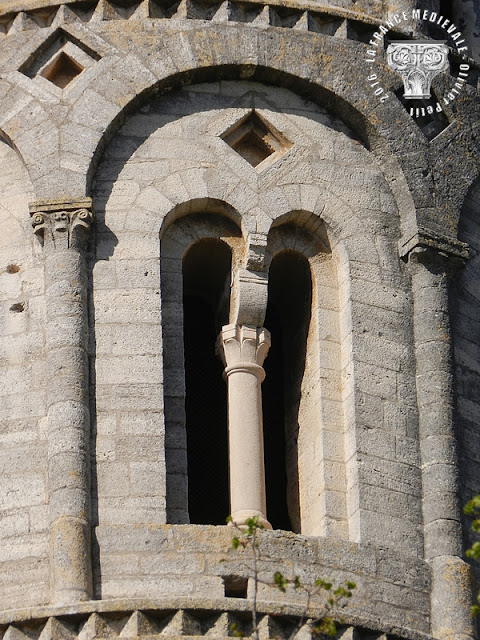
pixel 62 228
pixel 243 350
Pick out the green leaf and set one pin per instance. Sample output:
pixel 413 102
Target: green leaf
pixel 474 551
pixel 280 581
pixel 236 633
pixel 476 525
pixel 252 525
pixel 323 584
pixel 324 627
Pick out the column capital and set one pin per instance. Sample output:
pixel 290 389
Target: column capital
pixel 243 347
pixel 439 253
pixel 417 62
pixel 62 224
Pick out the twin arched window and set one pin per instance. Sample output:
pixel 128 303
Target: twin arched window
pixel 197 432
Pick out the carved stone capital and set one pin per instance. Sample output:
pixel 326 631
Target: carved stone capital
pixel 417 62
pixel 437 252
pixel 243 348
pixel 62 224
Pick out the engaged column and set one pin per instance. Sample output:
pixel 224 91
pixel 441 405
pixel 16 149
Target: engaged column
pixel 62 228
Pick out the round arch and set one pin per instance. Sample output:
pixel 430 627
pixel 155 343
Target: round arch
pixel 199 205
pixel 302 62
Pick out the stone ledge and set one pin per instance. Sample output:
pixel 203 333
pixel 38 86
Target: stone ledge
pixel 61 204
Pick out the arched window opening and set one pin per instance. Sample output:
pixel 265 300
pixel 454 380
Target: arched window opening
pixel 206 286
pixel 288 320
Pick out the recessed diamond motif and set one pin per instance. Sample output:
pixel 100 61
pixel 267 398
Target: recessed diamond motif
pixel 61 70
pixel 60 61
pixel 256 140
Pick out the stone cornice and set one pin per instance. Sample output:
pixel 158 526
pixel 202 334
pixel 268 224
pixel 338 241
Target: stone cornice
pixel 308 15
pixel 69 621
pixel 425 239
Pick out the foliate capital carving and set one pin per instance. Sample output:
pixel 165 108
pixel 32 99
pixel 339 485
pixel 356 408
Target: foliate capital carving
pixel 243 348
pixel 417 62
pixel 62 224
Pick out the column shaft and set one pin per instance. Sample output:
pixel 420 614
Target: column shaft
pixel 451 582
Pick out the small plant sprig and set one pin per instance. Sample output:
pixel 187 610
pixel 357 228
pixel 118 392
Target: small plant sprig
pixel 336 597
pixel 472 509
pixel 247 539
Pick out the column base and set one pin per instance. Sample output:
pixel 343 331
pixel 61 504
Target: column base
pixel 452 599
pixel 70 562
pixel 239 518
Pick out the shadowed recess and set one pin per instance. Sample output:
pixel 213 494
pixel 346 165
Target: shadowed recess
pixel 206 271
pixel 287 319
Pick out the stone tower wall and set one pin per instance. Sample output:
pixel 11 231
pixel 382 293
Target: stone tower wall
pixel 24 525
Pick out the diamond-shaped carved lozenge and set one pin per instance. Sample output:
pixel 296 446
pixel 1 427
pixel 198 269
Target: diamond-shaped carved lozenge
pixel 256 140
pixel 60 61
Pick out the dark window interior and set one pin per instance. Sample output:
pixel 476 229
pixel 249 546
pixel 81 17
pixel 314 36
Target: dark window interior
pixel 206 285
pixel 287 319
pixel 235 586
